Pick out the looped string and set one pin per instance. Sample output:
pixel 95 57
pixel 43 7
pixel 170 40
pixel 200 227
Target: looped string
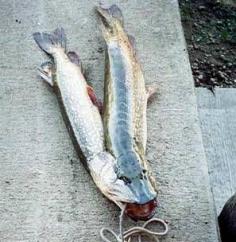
pixel 135 231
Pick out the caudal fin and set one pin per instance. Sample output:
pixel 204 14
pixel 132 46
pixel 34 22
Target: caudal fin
pixel 51 42
pixel 110 15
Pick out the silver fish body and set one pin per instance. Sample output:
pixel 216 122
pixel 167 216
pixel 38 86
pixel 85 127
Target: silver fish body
pixel 84 117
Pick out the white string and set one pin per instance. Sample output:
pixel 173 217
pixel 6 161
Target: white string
pixel 135 231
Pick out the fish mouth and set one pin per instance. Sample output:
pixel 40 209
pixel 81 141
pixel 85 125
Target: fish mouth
pixel 141 211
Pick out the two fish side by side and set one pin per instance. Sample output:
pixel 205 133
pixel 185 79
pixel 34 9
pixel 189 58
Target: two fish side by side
pixel 114 154
pixel 80 114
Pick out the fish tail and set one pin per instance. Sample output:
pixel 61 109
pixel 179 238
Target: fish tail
pixel 50 43
pixel 110 15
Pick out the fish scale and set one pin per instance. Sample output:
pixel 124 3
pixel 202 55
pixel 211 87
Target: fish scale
pixel 120 114
pixel 77 106
pixel 125 101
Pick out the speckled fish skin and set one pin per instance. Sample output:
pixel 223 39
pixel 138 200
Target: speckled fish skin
pixel 125 107
pixel 83 117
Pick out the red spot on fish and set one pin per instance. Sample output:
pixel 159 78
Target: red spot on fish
pixel 141 211
pixel 94 99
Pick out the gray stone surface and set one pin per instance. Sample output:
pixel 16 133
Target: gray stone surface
pixel 46 194
pixel 217 115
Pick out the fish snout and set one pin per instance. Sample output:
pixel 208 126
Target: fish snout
pixel 141 211
pixel 145 203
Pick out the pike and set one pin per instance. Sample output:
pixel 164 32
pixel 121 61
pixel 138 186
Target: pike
pixel 81 114
pixel 125 101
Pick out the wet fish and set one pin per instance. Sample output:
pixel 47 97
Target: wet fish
pixel 81 113
pixel 125 113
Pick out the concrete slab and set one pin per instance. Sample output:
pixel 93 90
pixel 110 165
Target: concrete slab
pixel 46 194
pixel 217 115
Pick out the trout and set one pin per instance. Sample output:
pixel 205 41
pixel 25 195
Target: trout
pixel 125 101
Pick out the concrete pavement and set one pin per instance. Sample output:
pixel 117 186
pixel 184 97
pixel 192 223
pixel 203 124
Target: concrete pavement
pixel 217 114
pixel 45 192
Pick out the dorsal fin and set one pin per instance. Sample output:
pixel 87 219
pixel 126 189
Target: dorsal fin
pixel 74 58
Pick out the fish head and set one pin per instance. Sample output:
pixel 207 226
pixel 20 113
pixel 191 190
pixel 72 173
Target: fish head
pixel 128 197
pixel 143 206
pixel 141 211
pixel 135 193
pixel 140 185
pixel 111 20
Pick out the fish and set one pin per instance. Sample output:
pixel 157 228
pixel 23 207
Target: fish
pixel 125 107
pixel 80 111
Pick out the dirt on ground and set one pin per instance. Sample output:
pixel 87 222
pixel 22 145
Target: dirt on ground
pixel 210 32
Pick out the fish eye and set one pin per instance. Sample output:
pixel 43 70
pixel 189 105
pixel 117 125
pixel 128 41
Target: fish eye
pixel 125 179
